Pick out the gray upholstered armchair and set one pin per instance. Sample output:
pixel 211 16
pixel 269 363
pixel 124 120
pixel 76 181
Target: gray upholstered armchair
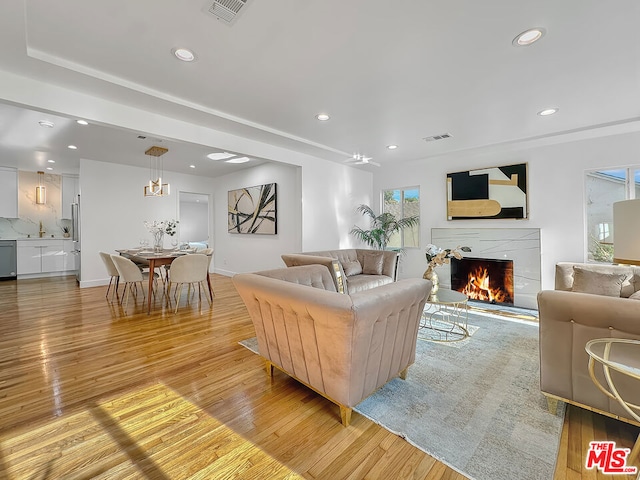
pixel 344 347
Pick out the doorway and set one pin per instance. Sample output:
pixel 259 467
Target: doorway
pixel 194 227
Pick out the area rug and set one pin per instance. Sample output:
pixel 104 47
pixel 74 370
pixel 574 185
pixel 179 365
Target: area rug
pixel 477 408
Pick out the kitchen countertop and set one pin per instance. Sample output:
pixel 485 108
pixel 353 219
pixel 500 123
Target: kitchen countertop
pixel 36 238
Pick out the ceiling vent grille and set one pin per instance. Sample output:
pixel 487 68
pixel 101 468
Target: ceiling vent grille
pixel 227 10
pixel 437 137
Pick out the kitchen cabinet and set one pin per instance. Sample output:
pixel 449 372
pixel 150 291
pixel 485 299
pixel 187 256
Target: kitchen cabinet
pixel 70 191
pixel 8 192
pixel 70 258
pixel 42 256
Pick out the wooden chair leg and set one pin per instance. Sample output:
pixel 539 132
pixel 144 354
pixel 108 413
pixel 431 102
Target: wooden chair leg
pixel 552 405
pixel 403 373
pixel 269 367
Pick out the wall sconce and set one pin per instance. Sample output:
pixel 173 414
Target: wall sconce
pixel 156 188
pixel 41 191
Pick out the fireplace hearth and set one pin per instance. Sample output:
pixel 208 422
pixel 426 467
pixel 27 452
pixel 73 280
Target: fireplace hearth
pixel 483 279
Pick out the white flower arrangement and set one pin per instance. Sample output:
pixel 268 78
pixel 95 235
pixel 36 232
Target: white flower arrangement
pixel 166 226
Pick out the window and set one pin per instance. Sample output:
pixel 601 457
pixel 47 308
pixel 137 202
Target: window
pixel 403 203
pixel 603 189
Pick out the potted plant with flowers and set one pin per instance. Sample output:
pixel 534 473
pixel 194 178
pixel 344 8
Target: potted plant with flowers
pixel 158 229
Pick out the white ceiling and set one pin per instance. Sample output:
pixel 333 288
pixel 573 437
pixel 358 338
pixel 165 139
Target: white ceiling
pixel 386 72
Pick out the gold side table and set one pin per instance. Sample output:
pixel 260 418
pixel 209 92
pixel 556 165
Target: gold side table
pixel 445 317
pixel 606 351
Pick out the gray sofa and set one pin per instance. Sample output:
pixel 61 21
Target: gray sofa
pixel 344 347
pixel 590 301
pixel 353 269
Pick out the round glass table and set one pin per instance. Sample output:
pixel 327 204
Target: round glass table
pixel 444 318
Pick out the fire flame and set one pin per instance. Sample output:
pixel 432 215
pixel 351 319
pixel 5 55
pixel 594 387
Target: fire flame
pixel 478 287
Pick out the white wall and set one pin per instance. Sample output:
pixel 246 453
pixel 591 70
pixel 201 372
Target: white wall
pixel 236 253
pixel 113 209
pixel 556 193
pixel 192 228
pixel 330 194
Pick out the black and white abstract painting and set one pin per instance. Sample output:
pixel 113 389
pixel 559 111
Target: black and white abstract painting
pixel 253 210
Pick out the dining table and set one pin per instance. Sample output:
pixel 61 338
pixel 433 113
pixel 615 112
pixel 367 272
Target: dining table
pixel 157 259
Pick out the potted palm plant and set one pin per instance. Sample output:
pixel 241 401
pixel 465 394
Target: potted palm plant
pixel 383 226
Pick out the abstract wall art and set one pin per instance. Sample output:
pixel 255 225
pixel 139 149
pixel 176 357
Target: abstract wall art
pixel 253 210
pixel 498 192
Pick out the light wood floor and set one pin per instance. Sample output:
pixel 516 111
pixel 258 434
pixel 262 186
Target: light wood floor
pixel 90 391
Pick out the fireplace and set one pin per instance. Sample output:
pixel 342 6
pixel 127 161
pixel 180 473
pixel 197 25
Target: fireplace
pixel 483 279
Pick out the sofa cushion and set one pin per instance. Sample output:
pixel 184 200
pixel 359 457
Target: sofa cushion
pixel 372 263
pixel 360 283
pixel 635 296
pixel 352 268
pixel 597 283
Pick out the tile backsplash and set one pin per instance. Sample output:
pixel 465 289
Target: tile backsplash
pixel 30 214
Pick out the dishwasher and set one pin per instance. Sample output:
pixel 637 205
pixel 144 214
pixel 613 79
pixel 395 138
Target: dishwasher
pixel 8 260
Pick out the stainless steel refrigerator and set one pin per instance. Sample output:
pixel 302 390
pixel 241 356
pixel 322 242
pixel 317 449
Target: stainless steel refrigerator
pixel 75 234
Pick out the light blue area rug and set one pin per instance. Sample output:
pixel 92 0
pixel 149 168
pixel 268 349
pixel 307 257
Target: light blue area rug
pixel 477 407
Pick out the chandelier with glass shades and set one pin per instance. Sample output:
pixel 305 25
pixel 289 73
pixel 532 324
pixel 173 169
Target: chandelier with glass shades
pixel 156 188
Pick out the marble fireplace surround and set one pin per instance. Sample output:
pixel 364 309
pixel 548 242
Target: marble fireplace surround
pixel 522 245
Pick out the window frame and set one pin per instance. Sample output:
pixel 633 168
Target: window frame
pixel 402 196
pixel 630 186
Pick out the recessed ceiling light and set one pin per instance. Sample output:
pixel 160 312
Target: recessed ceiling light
pixel 220 155
pixel 72 147
pixel 82 122
pixel 529 37
pixel 45 123
pixel 548 111
pixel 392 147
pixel 238 160
pixel 51 161
pixel 49 168
pixel 192 166
pixel 184 54
pixel 323 117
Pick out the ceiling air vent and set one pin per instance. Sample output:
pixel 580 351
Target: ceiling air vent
pixel 437 137
pixel 227 10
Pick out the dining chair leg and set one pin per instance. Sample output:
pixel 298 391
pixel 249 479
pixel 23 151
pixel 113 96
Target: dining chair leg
pixel 178 300
pixel 208 295
pixel 109 287
pixel 115 290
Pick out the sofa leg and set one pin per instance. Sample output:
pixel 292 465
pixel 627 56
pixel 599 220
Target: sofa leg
pixel 269 367
pixel 552 405
pixel 345 415
pixel 403 373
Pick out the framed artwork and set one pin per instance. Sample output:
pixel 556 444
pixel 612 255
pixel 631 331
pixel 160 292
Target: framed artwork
pixel 253 210
pixel 498 192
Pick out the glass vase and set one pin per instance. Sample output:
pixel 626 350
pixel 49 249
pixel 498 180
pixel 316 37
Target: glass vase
pixel 158 241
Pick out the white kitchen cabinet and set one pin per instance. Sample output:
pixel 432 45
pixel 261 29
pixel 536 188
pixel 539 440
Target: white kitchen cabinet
pixel 41 256
pixel 8 192
pixel 70 258
pixel 70 191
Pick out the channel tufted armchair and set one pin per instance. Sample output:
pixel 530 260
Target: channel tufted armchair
pixel 344 347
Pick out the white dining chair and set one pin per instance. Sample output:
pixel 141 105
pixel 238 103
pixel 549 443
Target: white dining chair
pixel 191 269
pixel 131 276
pixel 113 273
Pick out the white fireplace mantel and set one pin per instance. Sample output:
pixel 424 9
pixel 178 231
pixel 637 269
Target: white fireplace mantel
pixel 522 245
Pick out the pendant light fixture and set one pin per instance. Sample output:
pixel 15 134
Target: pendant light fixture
pixel 156 188
pixel 41 191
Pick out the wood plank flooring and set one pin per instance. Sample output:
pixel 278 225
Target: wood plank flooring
pixel 88 390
